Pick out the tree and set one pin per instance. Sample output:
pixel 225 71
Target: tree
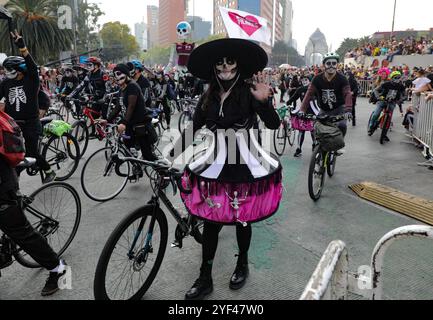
pixel 118 42
pixel 283 53
pixel 347 45
pixel 37 20
pixel 87 26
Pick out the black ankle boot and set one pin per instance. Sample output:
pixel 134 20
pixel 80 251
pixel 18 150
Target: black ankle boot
pixel 241 273
pixel 202 287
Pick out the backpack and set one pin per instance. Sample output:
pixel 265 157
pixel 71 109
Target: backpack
pixel 12 146
pixel 330 137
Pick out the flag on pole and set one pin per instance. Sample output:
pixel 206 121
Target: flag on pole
pixel 244 25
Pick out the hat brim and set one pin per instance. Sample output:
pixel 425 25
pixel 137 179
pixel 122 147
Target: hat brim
pixel 251 58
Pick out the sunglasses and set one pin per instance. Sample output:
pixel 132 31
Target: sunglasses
pixel 331 63
pixel 228 61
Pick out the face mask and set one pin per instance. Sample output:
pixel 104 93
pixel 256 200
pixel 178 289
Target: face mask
pixel 396 79
pixel 91 67
pixel 68 74
pixel 331 66
pixel 305 82
pixel 226 69
pixel 11 74
pixel 120 78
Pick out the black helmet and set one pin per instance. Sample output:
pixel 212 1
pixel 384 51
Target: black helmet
pixel 15 64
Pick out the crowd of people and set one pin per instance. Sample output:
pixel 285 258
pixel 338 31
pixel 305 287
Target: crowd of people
pixel 393 47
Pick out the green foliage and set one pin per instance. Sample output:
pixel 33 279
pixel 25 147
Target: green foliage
pixel 118 42
pixel 283 53
pixel 87 26
pixel 37 20
pixel 349 44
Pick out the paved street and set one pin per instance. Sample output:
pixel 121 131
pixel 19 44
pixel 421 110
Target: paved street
pixel 286 249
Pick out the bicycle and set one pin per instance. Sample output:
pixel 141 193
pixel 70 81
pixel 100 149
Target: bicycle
pixel 322 161
pixel 101 170
pixel 384 122
pixel 188 109
pixel 141 239
pixel 44 209
pixel 60 149
pixel 285 132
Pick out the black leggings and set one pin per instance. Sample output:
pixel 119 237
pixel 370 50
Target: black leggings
pixel 210 240
pixel 301 138
pixel 15 225
pixel 32 130
pixel 167 110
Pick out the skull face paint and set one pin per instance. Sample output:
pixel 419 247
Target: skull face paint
pixel 11 74
pixel 331 66
pixel 226 68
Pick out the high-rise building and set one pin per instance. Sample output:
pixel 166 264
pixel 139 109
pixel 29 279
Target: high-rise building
pixel 200 29
pixel 152 26
pixel 288 22
pixel 271 10
pixel 171 12
pixel 141 34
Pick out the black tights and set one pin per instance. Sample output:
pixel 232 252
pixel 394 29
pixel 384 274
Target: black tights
pixel 301 138
pixel 210 241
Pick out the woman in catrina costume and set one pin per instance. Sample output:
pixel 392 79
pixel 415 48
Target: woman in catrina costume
pixel 235 182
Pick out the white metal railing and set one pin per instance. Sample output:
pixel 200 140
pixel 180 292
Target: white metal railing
pixel 365 87
pixel 423 125
pixel 333 281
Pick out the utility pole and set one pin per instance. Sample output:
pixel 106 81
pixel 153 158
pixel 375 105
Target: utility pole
pixel 393 19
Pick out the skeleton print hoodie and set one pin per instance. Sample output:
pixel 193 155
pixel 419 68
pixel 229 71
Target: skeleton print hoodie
pixel 21 96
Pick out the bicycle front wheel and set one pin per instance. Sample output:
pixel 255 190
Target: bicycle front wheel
pixel 280 140
pixel 55 212
pixel 316 175
pixel 81 133
pixel 101 178
pixel 132 256
pixel 63 155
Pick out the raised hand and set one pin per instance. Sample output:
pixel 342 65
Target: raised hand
pixel 261 89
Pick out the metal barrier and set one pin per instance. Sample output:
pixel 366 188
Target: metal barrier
pixel 333 281
pixel 422 130
pixel 365 87
pixel 329 281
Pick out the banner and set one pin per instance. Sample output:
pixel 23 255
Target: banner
pixel 244 25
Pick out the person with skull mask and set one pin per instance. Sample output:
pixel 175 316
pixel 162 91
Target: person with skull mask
pixel 137 69
pixel 230 191
pixel 332 90
pixel 69 82
pixel 21 89
pixel 136 122
pixel 312 110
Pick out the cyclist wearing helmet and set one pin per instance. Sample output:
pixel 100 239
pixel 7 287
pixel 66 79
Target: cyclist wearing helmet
pixel 388 94
pixel 94 83
pixel 137 69
pixel 69 82
pixel 21 89
pixel 332 90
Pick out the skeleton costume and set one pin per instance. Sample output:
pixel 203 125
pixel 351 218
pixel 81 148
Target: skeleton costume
pixel 235 182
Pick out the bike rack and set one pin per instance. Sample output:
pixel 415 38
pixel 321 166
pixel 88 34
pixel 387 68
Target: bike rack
pixel 332 280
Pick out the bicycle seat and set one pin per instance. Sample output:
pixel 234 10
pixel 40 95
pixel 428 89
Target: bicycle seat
pixel 46 120
pixel 27 163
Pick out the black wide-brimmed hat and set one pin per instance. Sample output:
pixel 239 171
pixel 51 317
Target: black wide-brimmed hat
pixel 251 58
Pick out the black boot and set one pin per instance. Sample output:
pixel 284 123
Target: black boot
pixel 203 286
pixel 241 273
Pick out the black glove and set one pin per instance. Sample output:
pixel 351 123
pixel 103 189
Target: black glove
pixel 19 41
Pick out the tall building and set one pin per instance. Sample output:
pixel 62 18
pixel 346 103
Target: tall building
pixel 271 10
pixel 141 34
pixel 152 26
pixel 171 12
pixel 288 22
pixel 200 29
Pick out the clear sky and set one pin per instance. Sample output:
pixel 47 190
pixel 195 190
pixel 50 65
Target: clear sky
pixel 337 19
